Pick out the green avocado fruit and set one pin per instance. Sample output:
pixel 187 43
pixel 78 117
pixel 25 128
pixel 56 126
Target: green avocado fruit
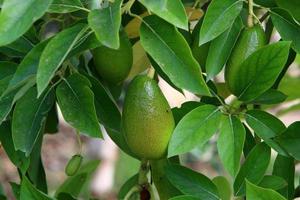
pixel 73 165
pixel 114 65
pixel 147 119
pixel 250 40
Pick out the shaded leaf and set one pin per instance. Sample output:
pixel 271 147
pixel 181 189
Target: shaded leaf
pixel 223 186
pixel 273 182
pixel 106 24
pixel 28 191
pixel 55 53
pixel 258 193
pixel 65 6
pixel 76 101
pixel 192 183
pixel 253 168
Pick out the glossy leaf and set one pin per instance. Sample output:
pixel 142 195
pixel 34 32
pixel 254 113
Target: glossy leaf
pixel 219 17
pixel 170 10
pixel 221 48
pixel 224 187
pixel 65 6
pixel 170 50
pixel 253 168
pixel 284 167
pixel 258 193
pixel 231 143
pixel 28 191
pixel 249 142
pixel 185 108
pixel 194 129
pixel 29 117
pixel 16 23
pixel 76 101
pixel 290 139
pixel 28 67
pixel 192 183
pixel 260 70
pixel 288 29
pixel 106 24
pixel 55 53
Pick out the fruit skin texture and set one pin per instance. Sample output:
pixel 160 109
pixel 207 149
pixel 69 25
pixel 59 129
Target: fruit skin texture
pixel 147 119
pixel 114 65
pixel 73 165
pixel 250 40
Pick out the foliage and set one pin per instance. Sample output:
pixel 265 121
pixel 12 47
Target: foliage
pixel 42 67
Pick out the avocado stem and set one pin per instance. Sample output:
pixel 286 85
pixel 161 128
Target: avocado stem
pixel 151 72
pixel 251 13
pixel 133 190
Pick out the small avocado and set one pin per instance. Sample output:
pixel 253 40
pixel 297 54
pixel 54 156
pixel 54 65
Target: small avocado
pixel 114 65
pixel 147 119
pixel 250 40
pixel 73 165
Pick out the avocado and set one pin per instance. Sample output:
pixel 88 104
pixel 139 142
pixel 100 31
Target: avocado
pixel 113 65
pixel 250 40
pixel 147 119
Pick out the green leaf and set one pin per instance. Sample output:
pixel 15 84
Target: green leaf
pixel 258 193
pixel 170 10
pixel 231 143
pixel 223 186
pixel 221 48
pixel 76 101
pixel 65 6
pixel 28 191
pixel 219 17
pixel 292 6
pixel 288 29
pixel 16 23
pixel 290 139
pixel 107 111
pixel 55 53
pixel 249 142
pixel 7 69
pixel 28 67
pixel 273 182
pixel 253 168
pixel 194 129
pixel 75 184
pixel 130 183
pixel 29 117
pixel 192 183
pixel 185 108
pixel 171 52
pixel 18 158
pixel 266 126
pixel 18 48
pixel 106 24
pixel 285 167
pixel 266 3
pixel 271 96
pixel 86 42
pixel 260 70
pixel 65 196
pixel 184 197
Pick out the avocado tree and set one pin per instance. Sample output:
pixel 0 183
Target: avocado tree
pixel 77 55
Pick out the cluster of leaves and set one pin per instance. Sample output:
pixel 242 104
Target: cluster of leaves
pixel 45 60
